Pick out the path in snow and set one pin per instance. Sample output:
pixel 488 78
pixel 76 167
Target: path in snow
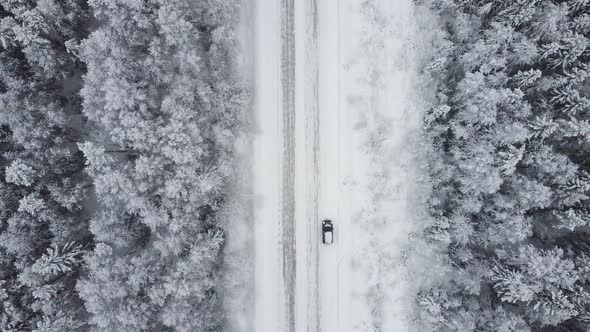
pixel 333 153
pixel 267 159
pixel 335 108
pixel 287 215
pixel 307 164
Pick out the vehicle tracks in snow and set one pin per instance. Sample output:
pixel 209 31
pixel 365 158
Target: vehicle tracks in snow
pixel 287 200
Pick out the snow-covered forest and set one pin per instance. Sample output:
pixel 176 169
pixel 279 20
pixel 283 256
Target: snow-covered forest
pixel 509 168
pixel 117 133
pixel 167 165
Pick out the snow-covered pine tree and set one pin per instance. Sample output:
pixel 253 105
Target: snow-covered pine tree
pixel 171 113
pixel 510 176
pixel 40 118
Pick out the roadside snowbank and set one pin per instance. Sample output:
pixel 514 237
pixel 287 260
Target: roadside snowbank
pixel 238 271
pixel 238 268
pixel 391 263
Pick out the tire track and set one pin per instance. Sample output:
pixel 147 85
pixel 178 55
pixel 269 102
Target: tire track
pixel 288 160
pixel 312 149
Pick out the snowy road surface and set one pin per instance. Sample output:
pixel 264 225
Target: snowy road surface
pixel 309 162
pixel 267 161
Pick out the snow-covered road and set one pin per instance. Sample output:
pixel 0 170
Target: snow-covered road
pixel 311 162
pixel 297 171
pixel 267 162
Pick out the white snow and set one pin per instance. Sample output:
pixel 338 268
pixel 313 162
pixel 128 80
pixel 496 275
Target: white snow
pixel 306 168
pixel 383 50
pixel 356 162
pixel 333 162
pixel 238 277
pixel 267 145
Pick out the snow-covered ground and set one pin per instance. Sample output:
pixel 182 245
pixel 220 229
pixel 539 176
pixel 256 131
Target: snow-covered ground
pixel 382 97
pixel 268 160
pixel 337 118
pixel 238 272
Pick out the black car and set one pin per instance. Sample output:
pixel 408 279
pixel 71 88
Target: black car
pixel 327 232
